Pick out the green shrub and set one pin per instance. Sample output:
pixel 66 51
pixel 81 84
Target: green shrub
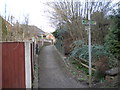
pixel 80 51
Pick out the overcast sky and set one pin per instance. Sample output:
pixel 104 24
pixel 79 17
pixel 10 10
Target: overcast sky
pixel 34 8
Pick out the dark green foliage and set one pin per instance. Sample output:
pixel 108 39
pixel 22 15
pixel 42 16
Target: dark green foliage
pixel 58 34
pixel 80 50
pixel 113 38
pixel 100 58
pixel 59 39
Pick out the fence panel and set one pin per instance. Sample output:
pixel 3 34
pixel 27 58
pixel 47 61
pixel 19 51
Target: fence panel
pixel 0 66
pixel 13 65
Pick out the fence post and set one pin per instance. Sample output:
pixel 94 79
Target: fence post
pixel 0 53
pixel 28 65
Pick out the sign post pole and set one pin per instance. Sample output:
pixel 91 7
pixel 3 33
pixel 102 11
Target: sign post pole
pixel 89 48
pixel 88 24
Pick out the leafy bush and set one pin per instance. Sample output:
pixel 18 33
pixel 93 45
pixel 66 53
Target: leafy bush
pixel 80 51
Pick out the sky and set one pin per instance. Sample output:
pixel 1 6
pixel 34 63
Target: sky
pixel 34 9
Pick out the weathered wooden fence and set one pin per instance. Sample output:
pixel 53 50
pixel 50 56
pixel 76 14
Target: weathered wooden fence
pixel 17 64
pixel 0 66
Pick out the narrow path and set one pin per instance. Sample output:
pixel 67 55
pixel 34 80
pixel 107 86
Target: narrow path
pixel 51 71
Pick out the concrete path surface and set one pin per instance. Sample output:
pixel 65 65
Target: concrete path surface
pixel 51 70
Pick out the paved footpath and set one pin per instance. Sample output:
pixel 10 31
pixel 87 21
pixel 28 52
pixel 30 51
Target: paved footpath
pixel 51 70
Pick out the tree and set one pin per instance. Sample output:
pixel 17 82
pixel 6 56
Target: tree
pixel 71 13
pixel 112 39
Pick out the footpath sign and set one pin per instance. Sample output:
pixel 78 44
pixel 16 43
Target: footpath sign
pixel 86 22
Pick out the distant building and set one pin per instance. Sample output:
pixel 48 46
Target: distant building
pixel 51 37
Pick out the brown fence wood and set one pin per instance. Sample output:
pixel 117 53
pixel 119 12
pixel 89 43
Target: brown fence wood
pixel 0 66
pixel 13 65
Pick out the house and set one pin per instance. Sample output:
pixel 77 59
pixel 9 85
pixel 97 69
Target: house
pixel 50 37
